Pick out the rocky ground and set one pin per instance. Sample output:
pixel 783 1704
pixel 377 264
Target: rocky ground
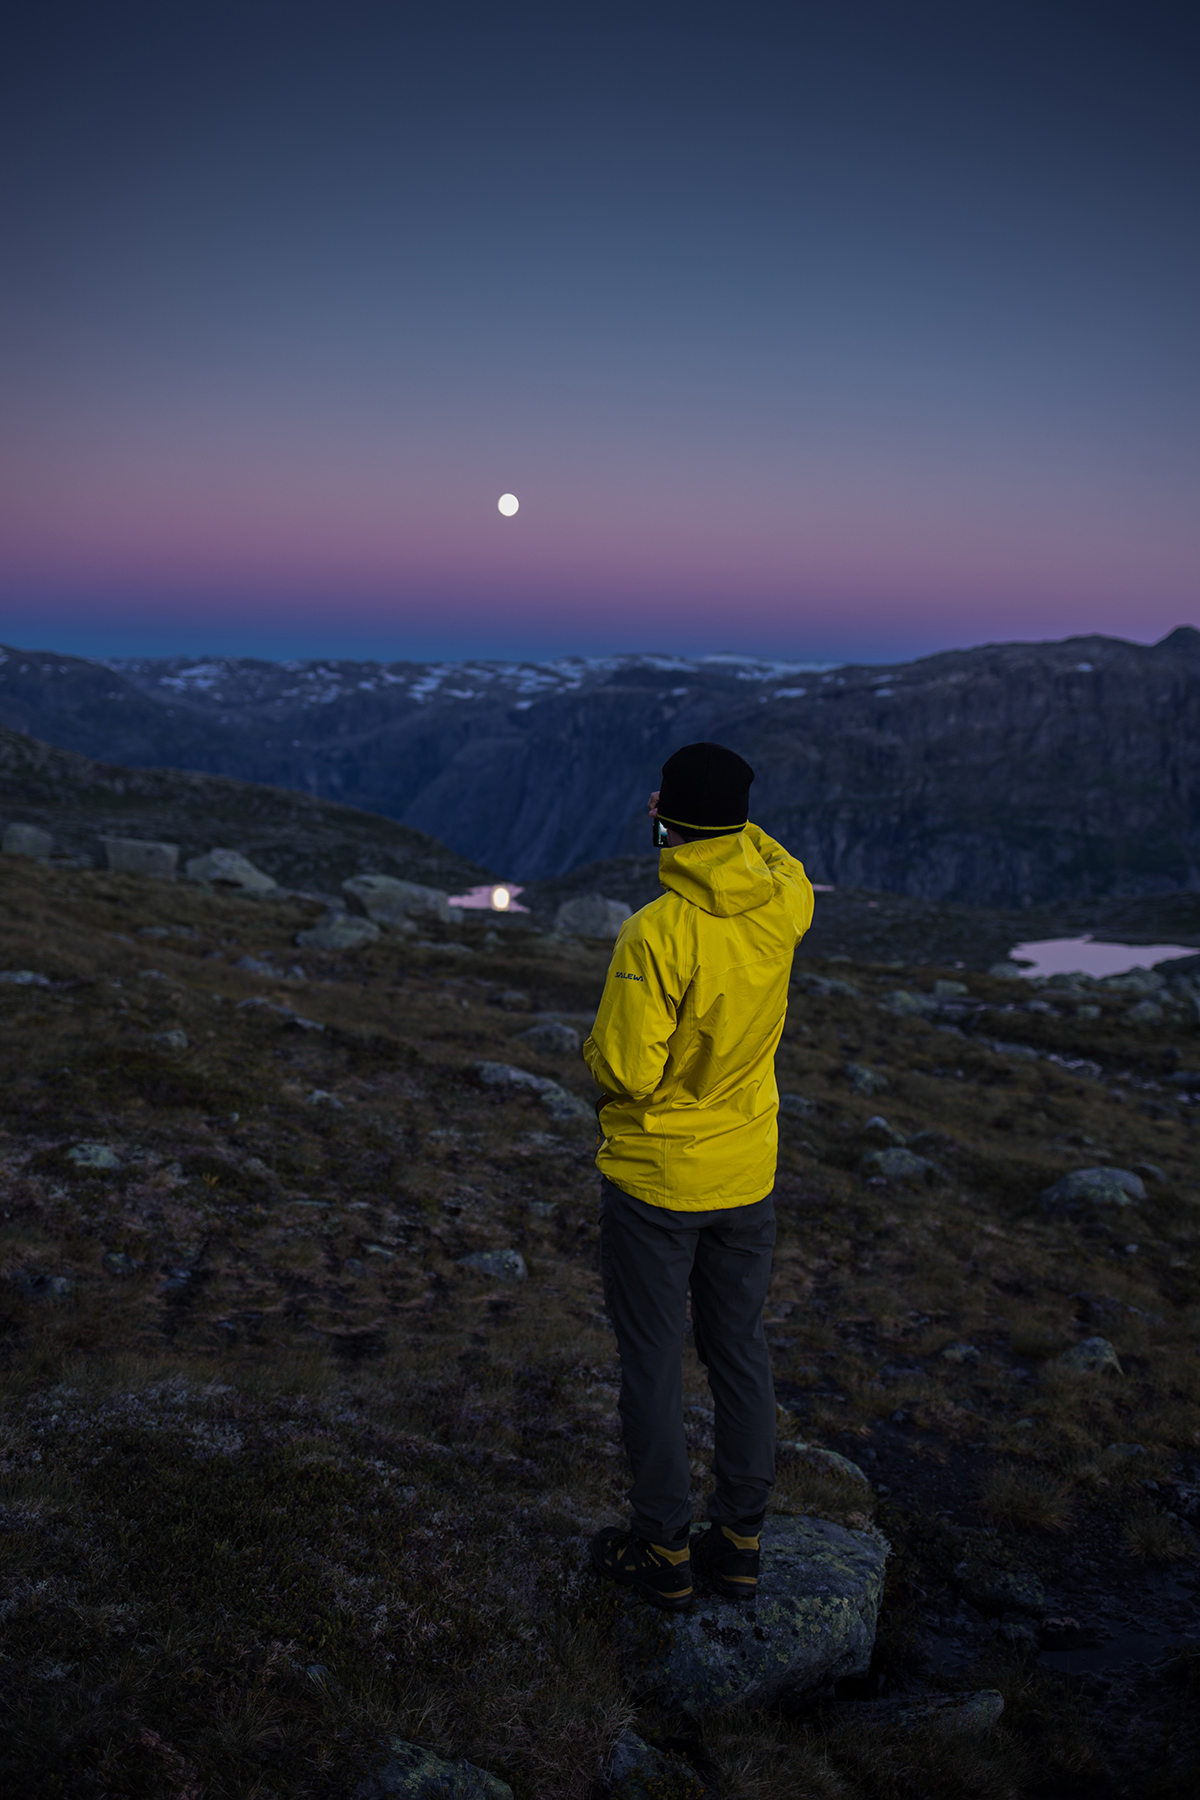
pixel 309 1391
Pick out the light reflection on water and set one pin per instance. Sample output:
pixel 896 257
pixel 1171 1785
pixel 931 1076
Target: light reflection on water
pixel 1085 956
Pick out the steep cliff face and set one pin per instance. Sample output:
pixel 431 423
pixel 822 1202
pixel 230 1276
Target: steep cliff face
pixel 1012 775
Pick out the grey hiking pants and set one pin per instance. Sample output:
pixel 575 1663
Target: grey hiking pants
pixel 650 1258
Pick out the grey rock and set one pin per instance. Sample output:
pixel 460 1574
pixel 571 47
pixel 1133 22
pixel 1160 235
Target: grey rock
pixel 906 1005
pixel 1006 971
pixel 140 856
pixel 27 840
pixel 1126 1450
pixel 93 1156
pixel 636 1771
pixel 320 1097
pixel 1151 1171
pixel 389 901
pixel 415 1774
pixel 864 1080
pixel 1087 1012
pixel 812 1621
pixel 511 999
pixel 827 986
pixel 883 1133
pixel 1018 1052
pixel 899 1165
pixel 591 915
pixel 1092 1187
pixel 828 1462
pixel 256 965
pixel 339 933
pixel 563 1107
pixel 171 1040
pixel 551 1038
pixel 1189 1079
pixel 23 978
pixel 960 1353
pixel 118 1263
pixel 1134 981
pixel 230 869
pixel 796 1106
pixel 951 990
pixel 949 1712
pixel 1020 1633
pixel 996 1590
pixel 1146 1012
pixel 501 1265
pixel 353 1266
pixel 1093 1356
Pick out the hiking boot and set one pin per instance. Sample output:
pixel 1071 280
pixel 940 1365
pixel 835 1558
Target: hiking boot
pixel 660 1573
pixel 729 1558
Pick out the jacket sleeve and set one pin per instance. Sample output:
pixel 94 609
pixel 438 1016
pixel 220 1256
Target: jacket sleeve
pixel 627 1049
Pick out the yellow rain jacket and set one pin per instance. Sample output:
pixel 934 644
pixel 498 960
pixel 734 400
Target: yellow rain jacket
pixel 693 1008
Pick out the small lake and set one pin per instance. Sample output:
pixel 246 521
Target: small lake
pixel 1085 956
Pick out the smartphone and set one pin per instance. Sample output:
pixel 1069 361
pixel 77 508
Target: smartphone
pixel 660 834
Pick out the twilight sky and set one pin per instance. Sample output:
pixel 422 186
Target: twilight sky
pixel 842 330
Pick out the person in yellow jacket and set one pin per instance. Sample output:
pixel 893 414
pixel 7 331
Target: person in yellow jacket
pixel 683 1053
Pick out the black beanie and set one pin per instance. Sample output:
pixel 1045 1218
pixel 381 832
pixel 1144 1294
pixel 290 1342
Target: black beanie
pixel 705 790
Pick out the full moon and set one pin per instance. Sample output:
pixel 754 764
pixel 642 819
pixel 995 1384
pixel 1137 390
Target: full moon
pixel 508 504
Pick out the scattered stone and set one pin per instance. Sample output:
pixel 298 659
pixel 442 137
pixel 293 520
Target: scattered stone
pixel 636 1771
pixel 389 901
pixel 551 1038
pixel 1067 1634
pixel 23 978
pixel 230 869
pixel 256 965
pixel 906 1005
pixel 562 1106
pixel 1087 1012
pixel 319 1097
pixel 171 1040
pixel 341 932
pixel 950 1712
pixel 829 1462
pixel 827 985
pixel 591 915
pixel 812 1622
pixel 864 1080
pixel 416 1774
pixel 353 1266
pixel 27 840
pixel 1146 1012
pixel 1151 1171
pixel 1126 1450
pixel 1091 1357
pixel 1092 1187
pixel 379 1250
pixel 140 856
pixel 900 1165
pixel 1020 1633
pixel 951 990
pixel 117 1263
pixel 795 1106
pixel 511 999
pixel 1020 1052
pixel 54 1287
pixel 502 1265
pixel 1006 971
pixel 1134 981
pixel 879 1129
pixel 997 1591
pixel 93 1156
pixel 1188 1079
pixel 960 1353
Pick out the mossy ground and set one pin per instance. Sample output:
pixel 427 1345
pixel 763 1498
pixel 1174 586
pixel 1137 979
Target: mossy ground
pixel 287 1479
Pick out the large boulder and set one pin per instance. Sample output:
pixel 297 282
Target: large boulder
pixel 899 1165
pixel 1094 1356
pixel 591 915
pixel 563 1106
pixel 140 856
pixel 230 869
pixel 341 932
pixel 27 840
pixel 812 1621
pixel 389 901
pixel 415 1774
pixel 636 1771
pixel 1092 1187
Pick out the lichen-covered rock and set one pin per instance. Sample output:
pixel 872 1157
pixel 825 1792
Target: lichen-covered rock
pixel 997 1590
pixel 906 1005
pixel 899 1165
pixel 1092 1187
pixel 502 1265
pixel 812 1621
pixel 1146 1012
pixel 171 1040
pixel 564 1107
pixel 415 1774
pixel 390 901
pixel 1092 1357
pixel 23 978
pixel 230 869
pixel 829 1462
pixel 1017 1052
pixel 339 933
pixel 864 1080
pixel 140 856
pixel 591 915
pixel 552 1038
pixel 27 840
pixel 960 1353
pixel 880 1132
pixel 1005 971
pixel 636 1771
pixel 796 1106
pixel 93 1156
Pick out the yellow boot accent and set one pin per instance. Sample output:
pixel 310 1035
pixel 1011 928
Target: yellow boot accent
pixel 740 1543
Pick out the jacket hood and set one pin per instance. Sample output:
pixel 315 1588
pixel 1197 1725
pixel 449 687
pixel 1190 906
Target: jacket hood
pixel 724 875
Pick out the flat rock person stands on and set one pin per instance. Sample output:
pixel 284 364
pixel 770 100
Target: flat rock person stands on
pixel 683 1051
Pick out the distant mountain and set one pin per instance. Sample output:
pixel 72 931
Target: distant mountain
pixel 302 842
pixel 1013 775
